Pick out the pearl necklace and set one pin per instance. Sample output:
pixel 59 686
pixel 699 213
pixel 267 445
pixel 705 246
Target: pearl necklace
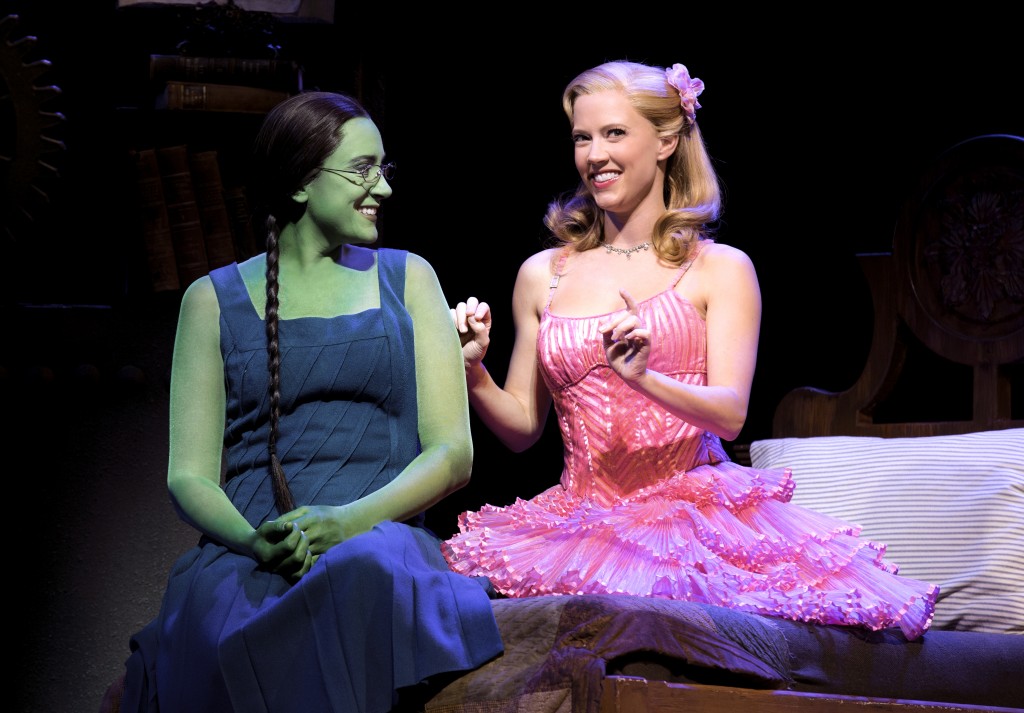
pixel 627 251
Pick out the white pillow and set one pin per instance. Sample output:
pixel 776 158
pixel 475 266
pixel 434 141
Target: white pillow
pixel 950 510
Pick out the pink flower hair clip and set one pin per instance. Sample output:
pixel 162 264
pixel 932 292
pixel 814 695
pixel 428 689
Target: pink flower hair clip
pixel 679 77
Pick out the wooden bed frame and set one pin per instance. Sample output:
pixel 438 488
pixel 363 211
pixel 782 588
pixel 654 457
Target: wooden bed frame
pixel 624 694
pixel 945 289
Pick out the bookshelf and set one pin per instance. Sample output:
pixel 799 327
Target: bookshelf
pixel 186 178
pixel 203 77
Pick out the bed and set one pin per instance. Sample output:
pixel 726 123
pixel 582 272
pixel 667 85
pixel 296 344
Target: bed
pixel 945 495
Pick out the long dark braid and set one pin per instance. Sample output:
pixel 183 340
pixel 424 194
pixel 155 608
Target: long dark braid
pixel 282 493
pixel 291 146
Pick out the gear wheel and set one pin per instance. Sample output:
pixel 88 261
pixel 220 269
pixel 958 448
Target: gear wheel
pixel 27 154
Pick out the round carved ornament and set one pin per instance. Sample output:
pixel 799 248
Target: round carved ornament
pixel 960 240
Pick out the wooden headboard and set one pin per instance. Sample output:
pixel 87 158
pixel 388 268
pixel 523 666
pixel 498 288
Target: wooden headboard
pixel 953 289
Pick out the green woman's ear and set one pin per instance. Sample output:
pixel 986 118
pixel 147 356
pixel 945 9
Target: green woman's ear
pixel 300 196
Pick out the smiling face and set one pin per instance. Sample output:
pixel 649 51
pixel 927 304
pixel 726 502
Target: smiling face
pixel 618 153
pixel 344 207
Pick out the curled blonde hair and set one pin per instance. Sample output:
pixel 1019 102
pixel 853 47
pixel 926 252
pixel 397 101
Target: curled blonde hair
pixel 692 190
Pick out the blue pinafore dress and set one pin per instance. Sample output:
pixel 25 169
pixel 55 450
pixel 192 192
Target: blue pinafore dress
pixel 376 613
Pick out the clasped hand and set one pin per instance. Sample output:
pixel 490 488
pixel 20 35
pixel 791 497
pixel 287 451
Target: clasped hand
pixel 473 322
pixel 627 342
pixel 291 544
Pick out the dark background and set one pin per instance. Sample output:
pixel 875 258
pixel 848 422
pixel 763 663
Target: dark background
pixel 820 124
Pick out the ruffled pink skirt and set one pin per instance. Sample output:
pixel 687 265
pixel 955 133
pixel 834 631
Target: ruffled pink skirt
pixel 720 534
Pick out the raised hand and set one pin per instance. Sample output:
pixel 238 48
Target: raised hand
pixel 473 321
pixel 627 342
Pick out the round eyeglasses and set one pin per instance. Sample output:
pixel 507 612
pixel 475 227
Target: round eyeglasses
pixel 370 173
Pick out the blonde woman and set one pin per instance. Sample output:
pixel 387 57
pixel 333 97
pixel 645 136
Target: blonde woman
pixel 643 331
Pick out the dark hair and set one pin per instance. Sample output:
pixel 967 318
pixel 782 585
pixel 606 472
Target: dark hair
pixel 296 137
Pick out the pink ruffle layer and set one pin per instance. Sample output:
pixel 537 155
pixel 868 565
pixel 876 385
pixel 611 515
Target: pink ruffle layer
pixel 720 534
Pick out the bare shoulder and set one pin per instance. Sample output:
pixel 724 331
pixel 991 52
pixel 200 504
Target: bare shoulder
pixel 418 267
pixel 422 285
pixel 722 261
pixel 199 305
pixel 722 254
pixel 539 268
pixel 533 284
pixel 200 294
pixel 417 261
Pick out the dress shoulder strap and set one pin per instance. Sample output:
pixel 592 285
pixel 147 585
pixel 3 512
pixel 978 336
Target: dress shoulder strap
pixel 228 284
pixel 686 265
pixel 558 273
pixel 240 323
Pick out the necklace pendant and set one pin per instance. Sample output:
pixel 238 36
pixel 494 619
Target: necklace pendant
pixel 628 252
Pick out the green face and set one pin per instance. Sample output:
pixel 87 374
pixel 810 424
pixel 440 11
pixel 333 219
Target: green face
pixel 339 201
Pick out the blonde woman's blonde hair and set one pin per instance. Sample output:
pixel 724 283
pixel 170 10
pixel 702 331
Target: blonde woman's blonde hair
pixel 692 190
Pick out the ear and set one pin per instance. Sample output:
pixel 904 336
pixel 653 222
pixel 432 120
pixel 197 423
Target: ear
pixel 668 146
pixel 300 196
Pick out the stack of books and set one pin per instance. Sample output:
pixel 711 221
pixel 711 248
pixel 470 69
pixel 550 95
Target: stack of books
pixel 189 223
pixel 189 220
pixel 231 84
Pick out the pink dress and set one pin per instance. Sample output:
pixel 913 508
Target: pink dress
pixel 651 505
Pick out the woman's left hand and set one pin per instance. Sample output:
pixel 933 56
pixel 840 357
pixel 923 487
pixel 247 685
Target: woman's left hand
pixel 323 525
pixel 627 342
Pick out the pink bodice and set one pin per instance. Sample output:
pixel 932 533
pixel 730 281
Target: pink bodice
pixel 616 440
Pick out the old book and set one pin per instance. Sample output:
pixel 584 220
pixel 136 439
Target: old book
pixel 158 244
pixel 205 96
pixel 247 242
pixel 280 74
pixel 183 213
pixel 213 211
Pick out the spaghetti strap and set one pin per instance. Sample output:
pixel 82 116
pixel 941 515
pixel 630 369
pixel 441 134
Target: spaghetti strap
pixel 554 278
pixel 686 265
